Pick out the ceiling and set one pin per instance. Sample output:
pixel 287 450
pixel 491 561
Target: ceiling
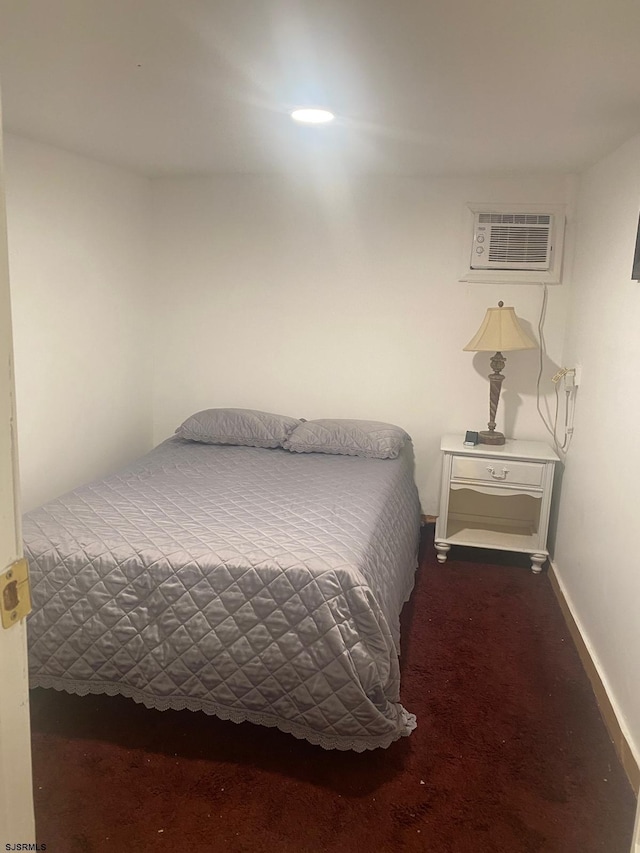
pixel 421 87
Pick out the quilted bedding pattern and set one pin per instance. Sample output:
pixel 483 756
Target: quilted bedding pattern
pixel 254 584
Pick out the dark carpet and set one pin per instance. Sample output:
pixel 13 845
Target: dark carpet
pixel 510 753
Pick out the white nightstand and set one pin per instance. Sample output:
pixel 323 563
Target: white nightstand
pixel 496 497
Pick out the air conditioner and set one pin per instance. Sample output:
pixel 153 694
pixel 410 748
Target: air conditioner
pixel 514 243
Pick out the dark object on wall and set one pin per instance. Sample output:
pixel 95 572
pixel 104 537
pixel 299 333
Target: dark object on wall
pixel 635 272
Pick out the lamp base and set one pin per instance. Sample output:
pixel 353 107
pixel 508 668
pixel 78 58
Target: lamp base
pixel 489 437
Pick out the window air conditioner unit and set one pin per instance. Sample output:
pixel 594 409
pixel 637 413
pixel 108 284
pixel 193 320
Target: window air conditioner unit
pixel 515 244
pixel 512 241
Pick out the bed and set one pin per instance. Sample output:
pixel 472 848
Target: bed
pixel 253 583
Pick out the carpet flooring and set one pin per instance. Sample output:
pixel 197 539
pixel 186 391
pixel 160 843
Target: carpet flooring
pixel 510 754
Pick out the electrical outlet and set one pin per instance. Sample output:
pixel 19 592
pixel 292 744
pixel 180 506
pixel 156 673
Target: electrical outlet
pixel 572 378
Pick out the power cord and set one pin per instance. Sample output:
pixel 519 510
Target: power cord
pixel 569 407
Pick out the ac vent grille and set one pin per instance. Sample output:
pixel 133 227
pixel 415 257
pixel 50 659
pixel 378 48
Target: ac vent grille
pixel 515 218
pixel 519 245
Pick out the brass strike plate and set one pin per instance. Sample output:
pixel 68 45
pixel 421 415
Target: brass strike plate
pixel 15 593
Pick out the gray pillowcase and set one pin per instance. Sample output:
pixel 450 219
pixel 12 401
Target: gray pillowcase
pixel 246 427
pixel 374 439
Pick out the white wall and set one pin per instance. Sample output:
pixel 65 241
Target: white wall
pixel 596 542
pixel 79 263
pixel 317 297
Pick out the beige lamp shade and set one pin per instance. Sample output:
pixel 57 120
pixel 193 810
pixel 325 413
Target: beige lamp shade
pixel 500 332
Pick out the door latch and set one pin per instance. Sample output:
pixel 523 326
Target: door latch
pixel 15 593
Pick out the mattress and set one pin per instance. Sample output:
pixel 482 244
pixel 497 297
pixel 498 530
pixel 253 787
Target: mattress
pixel 254 584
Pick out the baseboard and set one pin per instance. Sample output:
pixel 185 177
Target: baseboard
pixel 611 720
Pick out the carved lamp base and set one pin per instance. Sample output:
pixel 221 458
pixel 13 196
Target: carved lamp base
pixel 490 437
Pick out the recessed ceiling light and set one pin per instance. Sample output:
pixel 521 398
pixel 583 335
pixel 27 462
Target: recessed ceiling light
pixel 312 116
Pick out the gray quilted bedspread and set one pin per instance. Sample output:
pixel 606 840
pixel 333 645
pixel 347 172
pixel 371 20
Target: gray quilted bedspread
pixel 255 584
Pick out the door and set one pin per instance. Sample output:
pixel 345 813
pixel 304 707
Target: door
pixel 16 792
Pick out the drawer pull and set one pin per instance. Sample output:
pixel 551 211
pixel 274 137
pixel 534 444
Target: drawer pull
pixel 495 476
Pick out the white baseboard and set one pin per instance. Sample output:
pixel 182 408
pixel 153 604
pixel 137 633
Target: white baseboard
pixel 608 707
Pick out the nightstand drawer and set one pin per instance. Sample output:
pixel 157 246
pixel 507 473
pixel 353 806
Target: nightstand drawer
pixel 497 470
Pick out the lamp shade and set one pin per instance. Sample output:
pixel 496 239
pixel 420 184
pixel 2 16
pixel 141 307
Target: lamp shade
pixel 500 332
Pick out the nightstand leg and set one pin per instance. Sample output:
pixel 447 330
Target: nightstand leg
pixel 443 549
pixel 536 562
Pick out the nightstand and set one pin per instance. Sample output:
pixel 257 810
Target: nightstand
pixel 496 497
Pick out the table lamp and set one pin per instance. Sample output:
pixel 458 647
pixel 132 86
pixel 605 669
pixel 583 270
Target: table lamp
pixel 500 332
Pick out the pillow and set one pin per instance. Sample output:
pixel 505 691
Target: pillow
pixel 246 427
pixel 348 437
